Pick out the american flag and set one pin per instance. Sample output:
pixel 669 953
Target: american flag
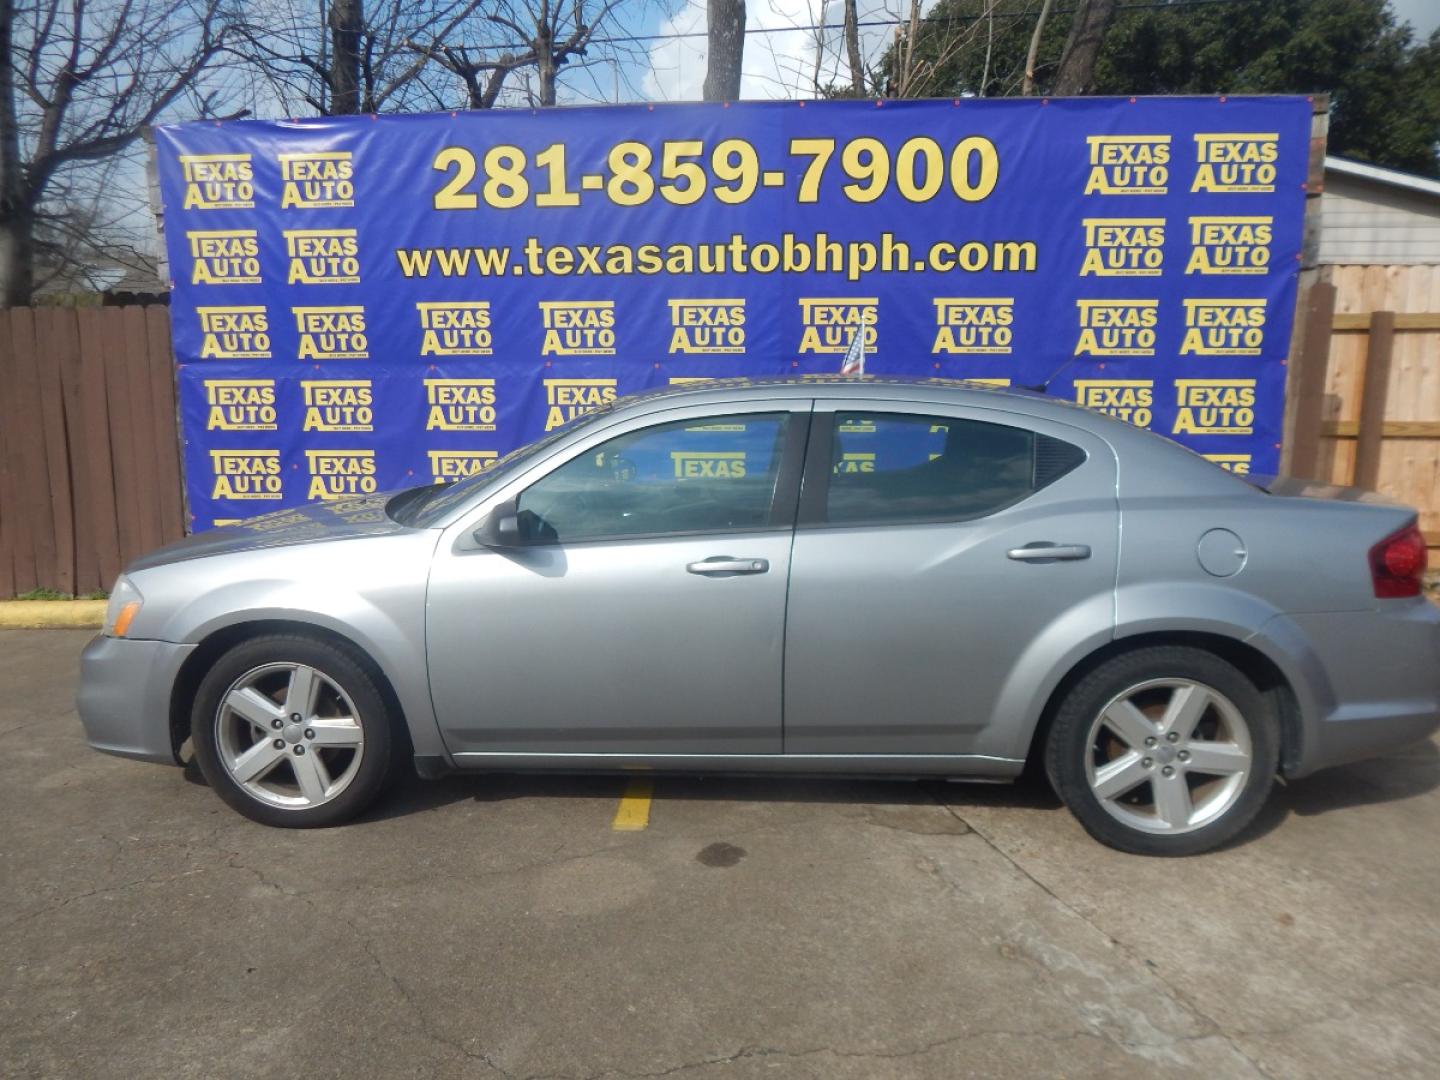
pixel 854 362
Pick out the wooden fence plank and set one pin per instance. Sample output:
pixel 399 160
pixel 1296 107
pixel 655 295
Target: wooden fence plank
pixel 9 502
pixel 124 460
pixel 135 359
pixel 57 451
pixel 1405 320
pixel 167 429
pixel 1391 429
pixel 36 568
pixel 98 461
pixel 1373 394
pixel 78 439
pixel 20 546
pixel 1310 380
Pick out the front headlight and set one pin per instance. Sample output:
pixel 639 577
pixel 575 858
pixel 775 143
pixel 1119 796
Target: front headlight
pixel 125 601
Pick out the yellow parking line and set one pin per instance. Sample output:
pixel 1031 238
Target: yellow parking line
pixel 633 813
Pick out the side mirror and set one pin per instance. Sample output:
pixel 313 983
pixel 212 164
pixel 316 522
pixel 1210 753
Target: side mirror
pixel 501 528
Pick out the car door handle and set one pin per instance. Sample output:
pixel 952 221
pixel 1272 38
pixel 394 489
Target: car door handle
pixel 1044 551
pixel 724 564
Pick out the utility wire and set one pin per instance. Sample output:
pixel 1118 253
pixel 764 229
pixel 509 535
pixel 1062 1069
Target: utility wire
pixel 931 20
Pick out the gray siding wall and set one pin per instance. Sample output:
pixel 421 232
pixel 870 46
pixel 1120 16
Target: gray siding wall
pixel 1365 223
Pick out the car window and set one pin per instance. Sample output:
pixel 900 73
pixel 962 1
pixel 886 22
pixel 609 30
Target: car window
pixel 700 475
pixel 889 467
pixel 425 505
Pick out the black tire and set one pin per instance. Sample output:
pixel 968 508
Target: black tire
pixel 339 666
pixel 1068 748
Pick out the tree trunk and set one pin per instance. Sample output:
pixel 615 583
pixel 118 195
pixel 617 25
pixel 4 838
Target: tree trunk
pixel 1087 33
pixel 17 257
pixel 725 20
pixel 545 64
pixel 347 20
pixel 852 47
pixel 819 59
pixel 17 218
pixel 907 72
pixel 1029 86
pixel 485 98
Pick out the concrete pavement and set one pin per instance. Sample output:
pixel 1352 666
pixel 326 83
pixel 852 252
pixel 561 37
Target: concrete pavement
pixel 478 927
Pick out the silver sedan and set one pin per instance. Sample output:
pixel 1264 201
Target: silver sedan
pixel 825 576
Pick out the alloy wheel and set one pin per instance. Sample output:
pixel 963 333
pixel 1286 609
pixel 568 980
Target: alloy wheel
pixel 289 735
pixel 1168 756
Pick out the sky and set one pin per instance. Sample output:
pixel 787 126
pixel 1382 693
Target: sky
pixel 1423 15
pixel 777 65
pixel 781 65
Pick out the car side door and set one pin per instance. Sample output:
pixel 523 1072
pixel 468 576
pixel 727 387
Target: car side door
pixel 939 550
pixel 642 611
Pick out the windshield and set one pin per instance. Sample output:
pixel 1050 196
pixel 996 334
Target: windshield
pixel 423 506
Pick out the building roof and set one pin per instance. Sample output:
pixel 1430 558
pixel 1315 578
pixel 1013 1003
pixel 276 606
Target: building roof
pixel 1377 174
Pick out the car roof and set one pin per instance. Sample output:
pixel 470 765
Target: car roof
pixel 831 381
pixel 870 387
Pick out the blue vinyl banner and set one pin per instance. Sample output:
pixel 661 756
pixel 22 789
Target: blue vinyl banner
pixel 364 303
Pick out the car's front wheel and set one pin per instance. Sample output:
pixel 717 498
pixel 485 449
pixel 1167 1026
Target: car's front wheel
pixel 1167 750
pixel 292 731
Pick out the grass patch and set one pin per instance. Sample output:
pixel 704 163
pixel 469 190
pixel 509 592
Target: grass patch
pixel 55 594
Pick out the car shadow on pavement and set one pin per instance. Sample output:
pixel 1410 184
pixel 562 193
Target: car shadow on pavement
pixel 1401 775
pixel 413 795
pixel 410 794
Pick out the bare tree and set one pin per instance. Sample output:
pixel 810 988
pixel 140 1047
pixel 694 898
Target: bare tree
pixel 507 36
pixel 851 31
pixel 989 44
pixel 1029 85
pixel 1087 33
pixel 92 228
pixel 79 82
pixel 347 28
pixel 912 35
pixel 725 23
pixel 347 58
pixel 923 49
pixel 482 76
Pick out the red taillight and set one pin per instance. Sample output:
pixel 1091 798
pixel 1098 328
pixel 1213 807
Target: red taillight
pixel 1397 563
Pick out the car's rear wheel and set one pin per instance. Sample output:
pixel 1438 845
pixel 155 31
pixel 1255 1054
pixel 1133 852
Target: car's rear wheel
pixel 1167 750
pixel 292 731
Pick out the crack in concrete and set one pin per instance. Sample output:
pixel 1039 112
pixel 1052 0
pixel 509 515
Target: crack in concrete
pixel 421 1016
pixel 50 908
pixel 48 719
pixel 1103 1019
pixel 117 853
pixel 1180 997
pixel 749 1052
pixel 400 987
pixel 366 947
pixel 758 1051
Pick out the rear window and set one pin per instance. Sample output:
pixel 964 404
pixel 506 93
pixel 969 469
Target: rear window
pixel 890 467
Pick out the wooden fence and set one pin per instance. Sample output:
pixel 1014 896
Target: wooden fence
pixel 89 453
pixel 1368 412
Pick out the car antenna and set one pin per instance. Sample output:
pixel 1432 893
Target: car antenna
pixel 1044 387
